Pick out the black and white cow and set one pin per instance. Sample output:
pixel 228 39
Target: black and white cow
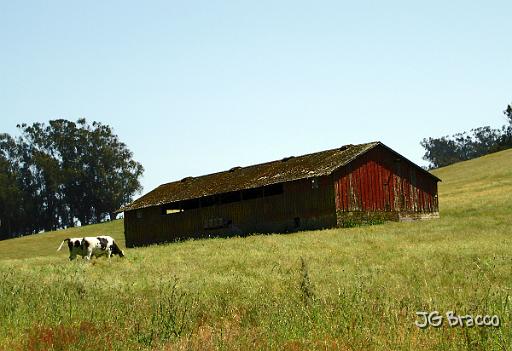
pixel 100 245
pixel 92 246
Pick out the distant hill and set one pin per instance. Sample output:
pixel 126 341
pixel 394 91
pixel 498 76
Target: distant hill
pixel 482 184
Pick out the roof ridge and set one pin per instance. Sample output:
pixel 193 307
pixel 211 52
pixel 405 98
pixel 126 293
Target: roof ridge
pixel 269 162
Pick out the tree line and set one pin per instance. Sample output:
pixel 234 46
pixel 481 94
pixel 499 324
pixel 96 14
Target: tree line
pixel 440 152
pixel 63 174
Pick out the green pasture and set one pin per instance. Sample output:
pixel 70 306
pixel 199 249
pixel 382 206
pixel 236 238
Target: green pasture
pixel 344 289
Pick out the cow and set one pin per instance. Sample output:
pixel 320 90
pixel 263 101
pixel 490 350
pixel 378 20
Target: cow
pixel 100 245
pixel 75 247
pixel 92 246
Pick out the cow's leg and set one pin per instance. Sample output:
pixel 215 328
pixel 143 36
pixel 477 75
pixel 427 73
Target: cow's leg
pixel 89 254
pixel 72 254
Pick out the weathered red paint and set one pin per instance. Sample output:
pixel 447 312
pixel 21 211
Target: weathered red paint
pixel 382 181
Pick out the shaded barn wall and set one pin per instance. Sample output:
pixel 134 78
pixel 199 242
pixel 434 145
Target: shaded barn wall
pixel 303 205
pixel 380 185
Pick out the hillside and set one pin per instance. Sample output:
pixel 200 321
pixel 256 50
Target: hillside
pixel 482 183
pixel 45 244
pixel 354 289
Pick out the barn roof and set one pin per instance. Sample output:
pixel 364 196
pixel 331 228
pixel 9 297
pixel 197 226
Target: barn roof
pixel 238 178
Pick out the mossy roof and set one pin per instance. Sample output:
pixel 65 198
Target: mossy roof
pixel 239 178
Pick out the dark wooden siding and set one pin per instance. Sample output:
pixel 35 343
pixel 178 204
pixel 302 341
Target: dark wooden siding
pixel 381 181
pixel 301 206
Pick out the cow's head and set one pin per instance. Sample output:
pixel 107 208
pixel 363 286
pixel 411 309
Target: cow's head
pixel 116 250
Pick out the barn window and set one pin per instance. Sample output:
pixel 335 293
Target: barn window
pixel 138 214
pixel 171 208
pixel 181 206
pixel 227 198
pixel 274 189
pixel 314 183
pixel 209 201
pixel 190 204
pixel 255 193
pixel 216 223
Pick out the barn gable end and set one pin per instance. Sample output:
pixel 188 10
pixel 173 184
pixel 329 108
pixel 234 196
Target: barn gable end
pixel 383 185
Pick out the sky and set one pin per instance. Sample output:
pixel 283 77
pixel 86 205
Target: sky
pixel 195 87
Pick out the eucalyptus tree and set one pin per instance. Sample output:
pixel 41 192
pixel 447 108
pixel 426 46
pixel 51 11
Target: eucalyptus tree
pixel 54 175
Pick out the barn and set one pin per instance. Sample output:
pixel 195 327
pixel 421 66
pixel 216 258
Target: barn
pixel 334 188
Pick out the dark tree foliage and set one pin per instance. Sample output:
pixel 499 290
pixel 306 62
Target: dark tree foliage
pixel 54 175
pixel 11 197
pixel 464 146
pixel 506 138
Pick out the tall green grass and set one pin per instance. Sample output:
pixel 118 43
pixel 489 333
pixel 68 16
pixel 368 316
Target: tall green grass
pixel 346 289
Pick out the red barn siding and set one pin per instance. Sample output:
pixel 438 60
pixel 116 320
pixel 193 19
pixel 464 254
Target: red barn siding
pixel 382 181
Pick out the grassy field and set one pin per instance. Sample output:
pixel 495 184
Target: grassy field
pixel 345 289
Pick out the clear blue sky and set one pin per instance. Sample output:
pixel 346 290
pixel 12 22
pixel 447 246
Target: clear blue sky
pixel 195 87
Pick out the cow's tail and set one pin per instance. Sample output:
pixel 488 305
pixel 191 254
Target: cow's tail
pixel 62 243
pixel 117 250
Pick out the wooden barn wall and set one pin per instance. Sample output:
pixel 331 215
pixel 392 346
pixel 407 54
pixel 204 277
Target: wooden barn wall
pixel 378 182
pixel 301 206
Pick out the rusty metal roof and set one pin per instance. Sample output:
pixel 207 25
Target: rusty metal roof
pixel 239 178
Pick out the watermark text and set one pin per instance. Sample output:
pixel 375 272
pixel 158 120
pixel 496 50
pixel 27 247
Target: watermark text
pixel 436 320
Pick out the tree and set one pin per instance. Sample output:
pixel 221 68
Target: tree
pixel 440 151
pixel 505 141
pixel 16 204
pixel 9 198
pixel 508 113
pixel 112 170
pixel 62 173
pixel 463 146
